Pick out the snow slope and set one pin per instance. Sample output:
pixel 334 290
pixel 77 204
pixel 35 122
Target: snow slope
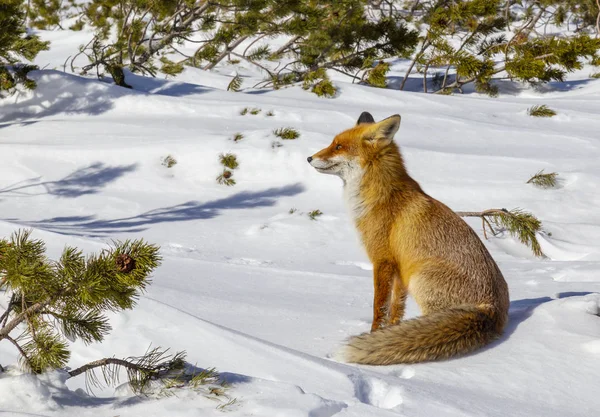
pixel 265 295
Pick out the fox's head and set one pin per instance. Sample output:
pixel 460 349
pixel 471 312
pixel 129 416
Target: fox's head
pixel 354 148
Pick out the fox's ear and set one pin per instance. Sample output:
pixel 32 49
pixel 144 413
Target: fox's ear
pixel 365 117
pixel 385 130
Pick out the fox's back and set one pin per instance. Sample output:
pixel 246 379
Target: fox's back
pixel 439 252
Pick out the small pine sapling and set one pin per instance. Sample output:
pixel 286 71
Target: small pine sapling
pixel 543 180
pixel 255 111
pixel 541 111
pixel 244 111
pixel 169 162
pixel 286 133
pixel 229 160
pixel 314 214
pixel 235 84
pixel 237 137
pixel 293 210
pixel 50 302
pixel 225 178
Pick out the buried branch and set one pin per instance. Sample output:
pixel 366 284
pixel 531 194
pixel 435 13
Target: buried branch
pixel 520 224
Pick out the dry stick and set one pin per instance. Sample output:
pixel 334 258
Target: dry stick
pixel 108 361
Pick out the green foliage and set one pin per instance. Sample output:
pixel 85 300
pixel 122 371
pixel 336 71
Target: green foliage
pixel 376 76
pixel 15 45
pixel 478 41
pixel 169 162
pixel 235 84
pixel 541 111
pixel 68 298
pixel 319 83
pixel 314 214
pixel 543 180
pixel 225 178
pixel 595 75
pixel 244 111
pixel 170 67
pixel 522 225
pixel 286 133
pixel 255 111
pixel 229 160
pixel 237 137
pixel 323 34
pixel 292 210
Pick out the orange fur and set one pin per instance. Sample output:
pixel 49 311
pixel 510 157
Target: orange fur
pixel 416 245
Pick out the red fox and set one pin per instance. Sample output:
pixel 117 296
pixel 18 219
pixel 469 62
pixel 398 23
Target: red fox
pixel 417 245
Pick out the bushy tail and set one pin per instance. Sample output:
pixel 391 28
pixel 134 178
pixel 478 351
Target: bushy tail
pixel 439 335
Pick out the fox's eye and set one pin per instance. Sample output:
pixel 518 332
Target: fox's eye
pixel 338 147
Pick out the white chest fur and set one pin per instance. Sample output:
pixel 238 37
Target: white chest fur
pixel 352 181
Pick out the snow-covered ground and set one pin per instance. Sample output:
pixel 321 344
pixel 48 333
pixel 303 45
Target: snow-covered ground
pixel 265 295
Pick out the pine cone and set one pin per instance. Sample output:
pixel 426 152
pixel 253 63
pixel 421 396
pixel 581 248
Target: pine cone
pixel 125 263
pixel 227 174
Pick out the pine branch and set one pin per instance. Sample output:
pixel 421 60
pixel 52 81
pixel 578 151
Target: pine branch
pixel 544 180
pixel 235 84
pixel 155 364
pixel 10 326
pixel 520 224
pixel 541 111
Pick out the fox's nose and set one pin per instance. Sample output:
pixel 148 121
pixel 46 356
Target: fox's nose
pixel 309 159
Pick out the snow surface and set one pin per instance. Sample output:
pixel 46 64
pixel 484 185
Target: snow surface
pixel 267 296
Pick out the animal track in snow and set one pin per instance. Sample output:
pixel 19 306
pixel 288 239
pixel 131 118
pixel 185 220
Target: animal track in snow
pixel 376 392
pixel 405 373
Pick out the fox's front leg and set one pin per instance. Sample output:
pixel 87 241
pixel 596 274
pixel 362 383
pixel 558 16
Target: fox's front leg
pixel 383 277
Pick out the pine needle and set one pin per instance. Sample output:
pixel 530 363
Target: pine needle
pixel 541 111
pixel 542 180
pixel 287 133
pixel 235 84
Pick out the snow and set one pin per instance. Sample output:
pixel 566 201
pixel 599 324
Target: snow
pixel 267 296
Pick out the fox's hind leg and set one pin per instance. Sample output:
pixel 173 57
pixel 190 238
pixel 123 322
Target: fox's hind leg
pixel 383 278
pixel 397 301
